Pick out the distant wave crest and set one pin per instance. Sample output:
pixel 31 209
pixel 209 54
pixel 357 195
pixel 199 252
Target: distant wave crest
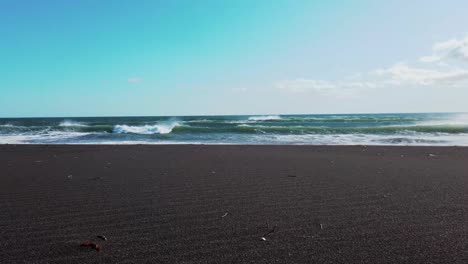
pixel 71 123
pixel 265 118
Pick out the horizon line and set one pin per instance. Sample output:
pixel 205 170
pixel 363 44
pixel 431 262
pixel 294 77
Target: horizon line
pixel 208 115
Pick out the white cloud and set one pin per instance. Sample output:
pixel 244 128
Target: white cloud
pixel 456 49
pixel 447 72
pixel 431 58
pixel 239 89
pixel 306 85
pixel 134 80
pixel 404 74
pixel 332 88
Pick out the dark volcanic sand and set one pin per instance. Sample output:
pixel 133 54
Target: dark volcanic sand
pixel 164 204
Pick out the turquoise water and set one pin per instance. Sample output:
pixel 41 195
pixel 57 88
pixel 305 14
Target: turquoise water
pixel 343 129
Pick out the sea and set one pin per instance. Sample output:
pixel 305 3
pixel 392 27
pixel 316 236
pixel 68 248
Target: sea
pixel 432 129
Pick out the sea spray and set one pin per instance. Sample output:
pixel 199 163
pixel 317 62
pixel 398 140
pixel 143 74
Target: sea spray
pixel 160 128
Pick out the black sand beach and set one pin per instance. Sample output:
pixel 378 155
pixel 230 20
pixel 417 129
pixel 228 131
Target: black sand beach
pixel 213 204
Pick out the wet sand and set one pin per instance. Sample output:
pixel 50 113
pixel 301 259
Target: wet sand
pixel 213 204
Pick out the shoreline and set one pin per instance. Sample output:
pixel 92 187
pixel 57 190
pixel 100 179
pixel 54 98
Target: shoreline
pixel 233 144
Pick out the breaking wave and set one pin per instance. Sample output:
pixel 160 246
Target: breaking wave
pixel 161 128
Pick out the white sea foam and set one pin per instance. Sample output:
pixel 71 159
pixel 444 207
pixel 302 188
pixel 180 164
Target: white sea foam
pixel 452 120
pixel 40 138
pixel 71 123
pixel 265 118
pixel 160 128
pixel 410 139
pixel 202 121
pixel 141 142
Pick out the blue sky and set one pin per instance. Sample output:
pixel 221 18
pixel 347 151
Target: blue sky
pixel 106 58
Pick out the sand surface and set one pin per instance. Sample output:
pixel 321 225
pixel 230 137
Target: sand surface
pixel 165 204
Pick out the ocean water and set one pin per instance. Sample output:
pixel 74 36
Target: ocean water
pixel 344 129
